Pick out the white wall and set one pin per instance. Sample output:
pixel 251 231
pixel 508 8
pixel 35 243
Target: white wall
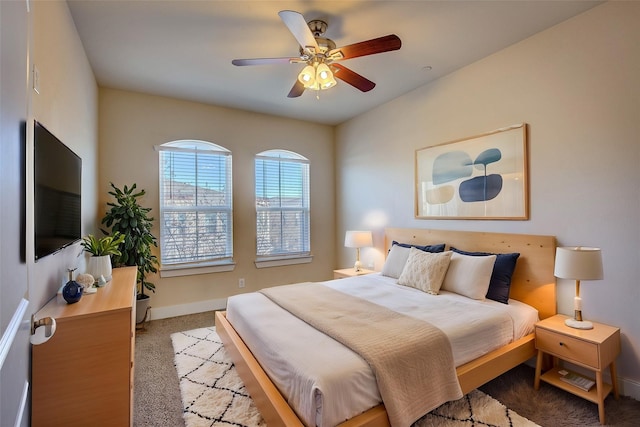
pixel 15 30
pixel 577 87
pixel 132 123
pixel 40 33
pixel 67 105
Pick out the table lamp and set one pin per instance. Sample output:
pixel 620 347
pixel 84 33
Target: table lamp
pixel 358 239
pixel 578 263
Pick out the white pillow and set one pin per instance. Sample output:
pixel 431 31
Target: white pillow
pixel 425 270
pixel 469 275
pixel 395 262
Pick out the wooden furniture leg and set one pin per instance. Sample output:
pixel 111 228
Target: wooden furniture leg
pixel 600 390
pixel 614 379
pixel 536 382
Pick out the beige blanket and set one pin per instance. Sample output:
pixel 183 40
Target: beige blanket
pixel 411 359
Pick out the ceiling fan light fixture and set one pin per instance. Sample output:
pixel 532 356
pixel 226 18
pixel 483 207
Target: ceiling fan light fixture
pixel 331 83
pixel 323 72
pixel 324 76
pixel 307 76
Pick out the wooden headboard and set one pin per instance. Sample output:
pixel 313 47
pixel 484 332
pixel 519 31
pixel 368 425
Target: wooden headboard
pixel 533 281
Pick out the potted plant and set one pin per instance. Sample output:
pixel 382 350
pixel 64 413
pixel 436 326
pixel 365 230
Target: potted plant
pixel 101 250
pixel 127 217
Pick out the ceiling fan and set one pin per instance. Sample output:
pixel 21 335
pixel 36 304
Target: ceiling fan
pixel 320 54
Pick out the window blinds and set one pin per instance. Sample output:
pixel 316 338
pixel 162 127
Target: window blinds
pixel 282 204
pixel 195 203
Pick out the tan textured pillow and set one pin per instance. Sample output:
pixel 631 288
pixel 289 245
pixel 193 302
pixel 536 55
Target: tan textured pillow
pixel 469 275
pixel 425 270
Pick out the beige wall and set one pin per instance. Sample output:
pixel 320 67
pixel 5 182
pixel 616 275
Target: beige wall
pixel 41 34
pixel 131 124
pixel 577 87
pixel 67 104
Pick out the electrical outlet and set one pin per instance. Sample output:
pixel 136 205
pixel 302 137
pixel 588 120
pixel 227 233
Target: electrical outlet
pixel 241 283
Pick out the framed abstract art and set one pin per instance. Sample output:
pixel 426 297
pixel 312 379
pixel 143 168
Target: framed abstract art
pixel 481 177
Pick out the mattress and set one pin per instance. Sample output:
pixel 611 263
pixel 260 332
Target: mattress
pixel 325 382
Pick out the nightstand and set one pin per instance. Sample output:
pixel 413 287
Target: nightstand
pixel 350 272
pixel 593 349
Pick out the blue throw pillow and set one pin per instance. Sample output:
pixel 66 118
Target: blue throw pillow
pixel 500 281
pixel 426 248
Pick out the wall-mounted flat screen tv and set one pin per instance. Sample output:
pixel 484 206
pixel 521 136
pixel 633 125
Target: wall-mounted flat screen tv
pixel 57 193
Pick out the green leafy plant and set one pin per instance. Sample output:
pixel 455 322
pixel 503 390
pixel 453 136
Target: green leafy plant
pixel 101 246
pixel 128 217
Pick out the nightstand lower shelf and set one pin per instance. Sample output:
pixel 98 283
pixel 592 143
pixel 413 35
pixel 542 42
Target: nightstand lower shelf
pixel 553 377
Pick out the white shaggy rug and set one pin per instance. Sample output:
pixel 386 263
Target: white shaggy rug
pixel 213 395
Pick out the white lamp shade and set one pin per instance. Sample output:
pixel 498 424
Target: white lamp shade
pixel 328 84
pixel 578 263
pixel 307 76
pixel 323 73
pixel 324 77
pixel 358 239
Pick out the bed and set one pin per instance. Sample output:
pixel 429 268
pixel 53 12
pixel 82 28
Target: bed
pixel 532 283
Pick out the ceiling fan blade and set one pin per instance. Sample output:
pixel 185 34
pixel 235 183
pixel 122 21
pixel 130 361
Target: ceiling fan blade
pixel 300 29
pixel 354 79
pixel 369 47
pixel 296 90
pixel 266 61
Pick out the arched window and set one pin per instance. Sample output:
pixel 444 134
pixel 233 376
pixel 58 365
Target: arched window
pixel 196 215
pixel 282 205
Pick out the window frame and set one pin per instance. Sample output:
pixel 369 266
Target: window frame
pixel 194 266
pixel 285 258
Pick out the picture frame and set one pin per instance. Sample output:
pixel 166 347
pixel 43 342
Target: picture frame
pixel 480 177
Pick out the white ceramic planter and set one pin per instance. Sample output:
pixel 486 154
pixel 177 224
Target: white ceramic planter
pixel 141 308
pixel 100 266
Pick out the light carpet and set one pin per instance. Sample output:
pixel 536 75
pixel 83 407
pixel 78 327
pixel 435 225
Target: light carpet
pixel 213 394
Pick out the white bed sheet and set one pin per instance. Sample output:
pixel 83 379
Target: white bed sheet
pixel 324 381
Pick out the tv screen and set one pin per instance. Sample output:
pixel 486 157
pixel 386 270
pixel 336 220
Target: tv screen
pixel 57 193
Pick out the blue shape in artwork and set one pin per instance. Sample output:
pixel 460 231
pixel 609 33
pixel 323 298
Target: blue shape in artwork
pixel 491 155
pixel 480 188
pixel 451 166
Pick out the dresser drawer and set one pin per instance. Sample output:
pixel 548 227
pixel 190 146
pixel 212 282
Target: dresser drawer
pixel 567 348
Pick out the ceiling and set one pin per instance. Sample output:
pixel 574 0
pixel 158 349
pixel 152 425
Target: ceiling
pixel 183 49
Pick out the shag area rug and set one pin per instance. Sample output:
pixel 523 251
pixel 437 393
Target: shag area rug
pixel 213 395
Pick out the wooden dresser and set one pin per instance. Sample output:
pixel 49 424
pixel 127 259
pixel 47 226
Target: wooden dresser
pixel 84 374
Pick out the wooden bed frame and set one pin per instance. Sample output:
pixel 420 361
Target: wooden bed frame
pixel 533 282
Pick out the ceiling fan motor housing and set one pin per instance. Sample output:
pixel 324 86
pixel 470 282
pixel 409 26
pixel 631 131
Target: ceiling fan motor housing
pixel 317 27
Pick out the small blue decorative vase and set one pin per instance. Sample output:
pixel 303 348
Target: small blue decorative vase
pixel 72 291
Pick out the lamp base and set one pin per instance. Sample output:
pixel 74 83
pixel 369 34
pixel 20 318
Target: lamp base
pixel 357 266
pixel 578 324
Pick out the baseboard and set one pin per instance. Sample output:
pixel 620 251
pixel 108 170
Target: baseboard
pixel 185 309
pixel 630 388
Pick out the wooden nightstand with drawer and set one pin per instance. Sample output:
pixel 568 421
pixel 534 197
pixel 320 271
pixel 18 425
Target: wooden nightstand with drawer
pixel 593 349
pixel 350 272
